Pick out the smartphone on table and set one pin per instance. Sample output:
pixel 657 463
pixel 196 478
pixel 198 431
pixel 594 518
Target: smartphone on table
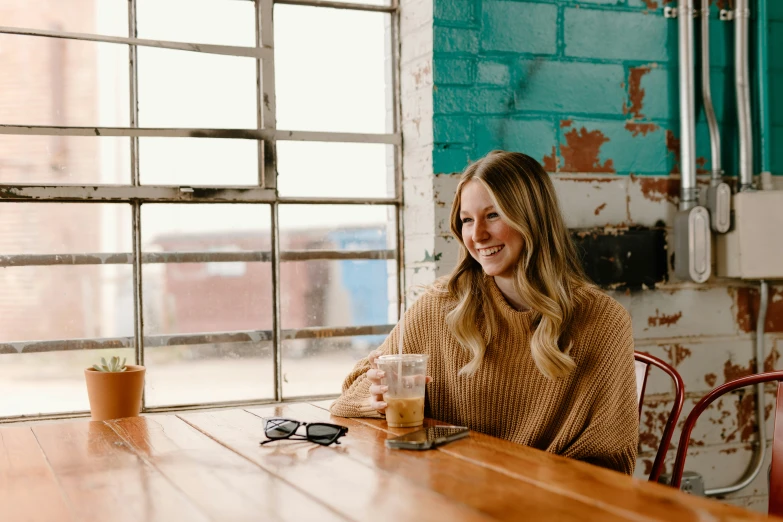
pixel 428 438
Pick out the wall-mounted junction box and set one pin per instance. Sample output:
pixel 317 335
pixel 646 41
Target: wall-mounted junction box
pixel 753 248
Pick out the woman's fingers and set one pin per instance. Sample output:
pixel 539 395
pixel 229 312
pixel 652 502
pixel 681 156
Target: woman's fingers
pixel 379 390
pixel 378 405
pixel 373 356
pixel 375 375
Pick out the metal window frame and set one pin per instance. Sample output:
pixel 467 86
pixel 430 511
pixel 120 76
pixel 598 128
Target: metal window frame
pixel 136 194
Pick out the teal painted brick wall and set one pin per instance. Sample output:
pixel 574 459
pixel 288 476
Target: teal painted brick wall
pixel 581 85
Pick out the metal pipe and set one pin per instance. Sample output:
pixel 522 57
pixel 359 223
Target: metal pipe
pixel 706 94
pixel 762 30
pixel 688 190
pixel 742 86
pixel 761 448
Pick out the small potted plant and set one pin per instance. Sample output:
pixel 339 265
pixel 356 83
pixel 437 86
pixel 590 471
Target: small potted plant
pixel 114 389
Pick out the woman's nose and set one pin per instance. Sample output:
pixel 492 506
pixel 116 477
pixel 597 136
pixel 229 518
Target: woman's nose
pixel 479 232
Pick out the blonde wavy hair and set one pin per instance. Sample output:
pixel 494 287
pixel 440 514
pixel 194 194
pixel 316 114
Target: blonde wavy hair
pixel 548 276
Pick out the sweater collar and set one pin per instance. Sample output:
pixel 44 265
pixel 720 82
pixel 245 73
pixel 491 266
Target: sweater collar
pixel 501 304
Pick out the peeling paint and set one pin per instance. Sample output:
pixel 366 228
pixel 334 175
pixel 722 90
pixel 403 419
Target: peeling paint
pixel 600 208
pixel 673 147
pixel 640 128
pixel 677 353
pixel 421 74
pixel 659 189
pixel 733 371
pixel 565 123
pixel 648 464
pixel 635 91
pixel 728 451
pixel 711 379
pixel 580 153
pixel 550 162
pixel 745 415
pixel 746 309
pixel 660 319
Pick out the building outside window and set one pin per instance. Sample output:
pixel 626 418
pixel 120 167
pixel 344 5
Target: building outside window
pixel 208 187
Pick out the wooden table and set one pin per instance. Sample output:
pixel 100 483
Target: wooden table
pixel 209 466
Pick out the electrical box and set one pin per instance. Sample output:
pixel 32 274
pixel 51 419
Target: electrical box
pixel 753 248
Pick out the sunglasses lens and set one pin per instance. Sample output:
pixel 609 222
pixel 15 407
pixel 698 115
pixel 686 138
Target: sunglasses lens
pixel 280 428
pixel 322 433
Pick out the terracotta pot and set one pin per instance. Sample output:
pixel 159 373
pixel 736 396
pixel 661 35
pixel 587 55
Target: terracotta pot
pixel 114 395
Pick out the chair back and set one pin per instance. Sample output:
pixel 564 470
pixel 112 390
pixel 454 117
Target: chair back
pixel 776 473
pixel 642 362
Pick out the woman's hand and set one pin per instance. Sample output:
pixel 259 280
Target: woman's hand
pixel 376 388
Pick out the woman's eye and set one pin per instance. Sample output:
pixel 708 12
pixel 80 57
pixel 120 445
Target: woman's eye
pixel 466 220
pixel 493 215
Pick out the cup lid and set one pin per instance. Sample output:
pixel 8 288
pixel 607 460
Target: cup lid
pixel 405 357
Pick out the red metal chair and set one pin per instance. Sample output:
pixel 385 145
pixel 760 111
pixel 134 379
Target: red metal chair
pixel 776 474
pixel 643 362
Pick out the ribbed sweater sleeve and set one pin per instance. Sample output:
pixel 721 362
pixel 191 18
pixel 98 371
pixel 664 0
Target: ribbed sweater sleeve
pixel 610 439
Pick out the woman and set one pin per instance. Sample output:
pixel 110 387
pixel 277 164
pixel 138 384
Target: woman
pixel 521 346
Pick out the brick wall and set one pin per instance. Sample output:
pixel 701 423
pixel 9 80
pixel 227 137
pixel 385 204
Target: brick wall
pixel 590 89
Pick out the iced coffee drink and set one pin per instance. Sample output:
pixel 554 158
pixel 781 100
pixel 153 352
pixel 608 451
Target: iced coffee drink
pixel 405 377
pixel 404 413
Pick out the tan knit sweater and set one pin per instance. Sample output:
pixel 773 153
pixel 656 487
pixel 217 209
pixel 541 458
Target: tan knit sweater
pixel 590 415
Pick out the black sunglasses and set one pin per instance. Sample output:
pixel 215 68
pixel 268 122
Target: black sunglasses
pixel 318 432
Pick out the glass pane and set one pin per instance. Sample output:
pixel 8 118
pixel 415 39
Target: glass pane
pixel 64 228
pixel 107 17
pixel 340 82
pixel 198 161
pixel 65 159
pixel 192 90
pixel 199 374
pixel 44 303
pixel 318 366
pixel 58 82
pixel 317 169
pixel 199 21
pixel 206 295
pixel 322 219
pixel 49 382
pixel 337 292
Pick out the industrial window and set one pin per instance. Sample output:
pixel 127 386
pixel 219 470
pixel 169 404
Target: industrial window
pixel 210 188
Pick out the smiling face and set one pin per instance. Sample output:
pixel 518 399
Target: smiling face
pixel 489 240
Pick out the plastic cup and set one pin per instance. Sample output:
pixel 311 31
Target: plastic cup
pixel 406 376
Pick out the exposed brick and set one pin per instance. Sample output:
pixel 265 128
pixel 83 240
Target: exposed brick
pixel 452 129
pixel 648 5
pixel 448 161
pixel 592 33
pixel 569 87
pixel 455 11
pixel 493 73
pixel 450 39
pixel 465 100
pixel 533 137
pixel 454 71
pixel 519 27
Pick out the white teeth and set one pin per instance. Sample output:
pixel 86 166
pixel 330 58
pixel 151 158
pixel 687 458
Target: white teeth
pixel 490 251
